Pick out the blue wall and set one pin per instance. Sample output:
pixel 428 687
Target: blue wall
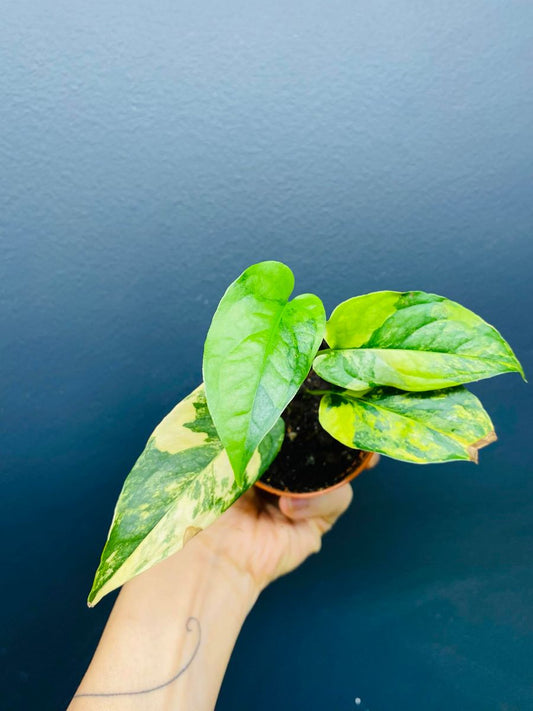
pixel 151 151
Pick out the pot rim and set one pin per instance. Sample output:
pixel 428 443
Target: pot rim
pixel 363 464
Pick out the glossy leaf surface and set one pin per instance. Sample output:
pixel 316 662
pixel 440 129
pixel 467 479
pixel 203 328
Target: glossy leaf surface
pixel 258 351
pixel 179 485
pixel 412 341
pixel 437 426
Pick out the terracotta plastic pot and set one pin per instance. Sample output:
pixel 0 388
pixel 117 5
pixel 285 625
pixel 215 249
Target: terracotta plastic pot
pixel 350 474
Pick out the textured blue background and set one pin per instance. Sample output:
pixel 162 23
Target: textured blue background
pixel 148 153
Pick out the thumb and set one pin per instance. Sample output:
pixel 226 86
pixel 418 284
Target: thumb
pixel 328 506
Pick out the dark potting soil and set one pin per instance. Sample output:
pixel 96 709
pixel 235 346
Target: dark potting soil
pixel 309 459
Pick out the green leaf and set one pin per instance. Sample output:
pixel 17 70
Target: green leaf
pixel 179 485
pixel 426 427
pixel 412 341
pixel 258 351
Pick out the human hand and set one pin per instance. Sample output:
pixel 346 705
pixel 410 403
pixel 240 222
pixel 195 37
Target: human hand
pixel 266 537
pixel 180 618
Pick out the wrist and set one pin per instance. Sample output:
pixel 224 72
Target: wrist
pixel 219 569
pixel 200 571
pixel 186 610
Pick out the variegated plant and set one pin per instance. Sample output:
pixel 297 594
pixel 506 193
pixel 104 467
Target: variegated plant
pixel 394 371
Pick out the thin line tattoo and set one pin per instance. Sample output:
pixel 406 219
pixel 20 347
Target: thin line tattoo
pixel 176 676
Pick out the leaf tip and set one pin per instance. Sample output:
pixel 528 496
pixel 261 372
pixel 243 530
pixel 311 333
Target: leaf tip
pixel 487 439
pixel 95 593
pixel 238 473
pixel 473 450
pixel 473 455
pixel 518 367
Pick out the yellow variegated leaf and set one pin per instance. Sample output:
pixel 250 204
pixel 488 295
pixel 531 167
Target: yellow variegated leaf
pixel 437 426
pixel 179 485
pixel 413 341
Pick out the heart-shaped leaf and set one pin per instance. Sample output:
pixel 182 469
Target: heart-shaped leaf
pixel 426 427
pixel 258 351
pixel 179 485
pixel 413 341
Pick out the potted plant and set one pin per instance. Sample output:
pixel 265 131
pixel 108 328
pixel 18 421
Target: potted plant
pixel 384 374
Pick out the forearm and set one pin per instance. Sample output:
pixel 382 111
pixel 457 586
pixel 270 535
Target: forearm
pixel 170 635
